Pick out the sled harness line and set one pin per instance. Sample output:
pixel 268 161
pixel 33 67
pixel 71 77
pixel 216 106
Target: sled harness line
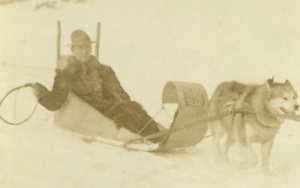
pixel 216 117
pixel 146 125
pixel 6 95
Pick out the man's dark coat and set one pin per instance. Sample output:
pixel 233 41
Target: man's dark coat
pixel 97 85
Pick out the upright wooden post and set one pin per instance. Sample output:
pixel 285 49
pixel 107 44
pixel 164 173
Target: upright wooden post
pixel 97 41
pixel 58 41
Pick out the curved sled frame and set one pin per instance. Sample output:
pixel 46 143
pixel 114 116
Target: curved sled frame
pixel 187 129
pixel 190 125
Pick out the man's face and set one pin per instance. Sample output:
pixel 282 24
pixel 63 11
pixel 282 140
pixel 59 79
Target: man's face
pixel 82 52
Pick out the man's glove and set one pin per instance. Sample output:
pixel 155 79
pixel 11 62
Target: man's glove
pixel 38 90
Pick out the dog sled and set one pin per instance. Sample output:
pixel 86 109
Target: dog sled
pixel 186 130
pixel 81 118
pixel 84 120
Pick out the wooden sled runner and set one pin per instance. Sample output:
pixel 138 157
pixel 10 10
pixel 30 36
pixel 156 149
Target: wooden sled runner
pixel 187 128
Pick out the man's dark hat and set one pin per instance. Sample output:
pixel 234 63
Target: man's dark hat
pixel 79 37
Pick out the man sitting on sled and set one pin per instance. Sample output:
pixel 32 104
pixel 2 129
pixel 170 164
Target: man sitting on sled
pixel 97 85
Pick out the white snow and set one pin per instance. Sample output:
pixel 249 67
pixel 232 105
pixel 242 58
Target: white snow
pixel 147 43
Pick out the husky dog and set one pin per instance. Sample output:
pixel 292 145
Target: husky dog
pixel 266 101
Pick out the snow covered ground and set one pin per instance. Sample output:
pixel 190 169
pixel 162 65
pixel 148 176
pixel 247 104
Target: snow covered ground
pixel 147 43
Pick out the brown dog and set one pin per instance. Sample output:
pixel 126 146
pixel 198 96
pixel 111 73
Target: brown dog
pixel 266 100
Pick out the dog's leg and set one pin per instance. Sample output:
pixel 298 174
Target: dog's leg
pixel 244 143
pixel 249 156
pixel 225 147
pixel 217 151
pixel 217 141
pixel 222 145
pixel 218 135
pixel 266 147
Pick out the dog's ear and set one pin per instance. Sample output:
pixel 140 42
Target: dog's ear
pixel 289 86
pixel 288 83
pixel 270 81
pixel 268 85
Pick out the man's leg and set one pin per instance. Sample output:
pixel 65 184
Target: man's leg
pixel 133 117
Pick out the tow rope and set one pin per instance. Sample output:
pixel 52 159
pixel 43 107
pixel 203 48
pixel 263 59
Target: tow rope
pixel 6 95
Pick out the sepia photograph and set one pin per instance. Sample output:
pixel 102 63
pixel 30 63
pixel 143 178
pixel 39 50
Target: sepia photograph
pixel 149 93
